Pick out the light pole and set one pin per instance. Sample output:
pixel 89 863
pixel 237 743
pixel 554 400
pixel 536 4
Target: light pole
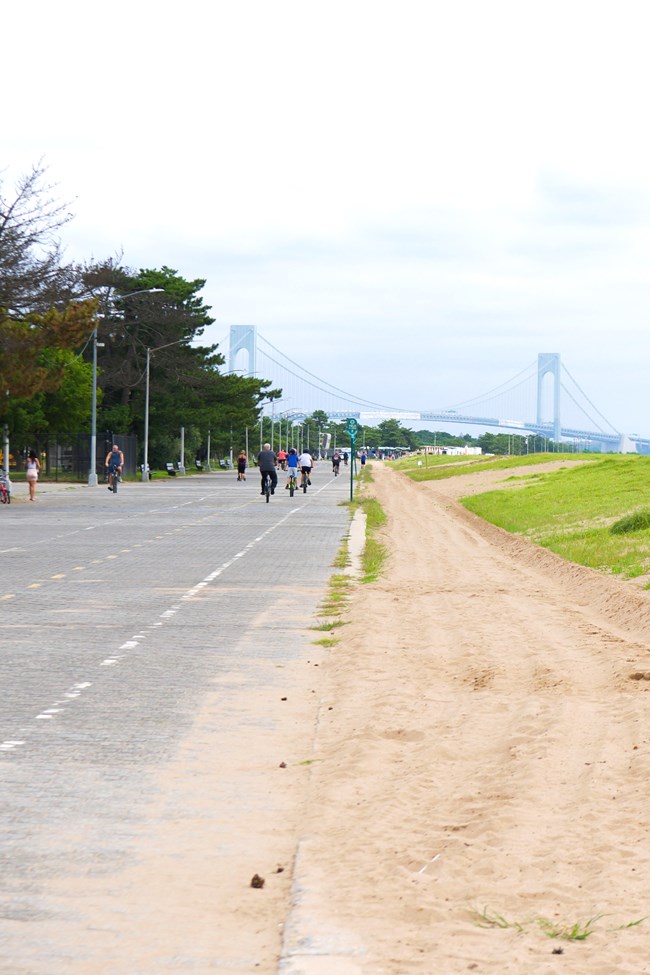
pixel 92 472
pixel 145 459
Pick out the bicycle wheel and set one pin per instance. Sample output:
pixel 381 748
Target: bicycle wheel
pixel 114 483
pixel 304 483
pixel 267 488
pixel 292 486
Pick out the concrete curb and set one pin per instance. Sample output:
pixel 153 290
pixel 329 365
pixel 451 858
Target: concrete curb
pixel 311 945
pixel 356 542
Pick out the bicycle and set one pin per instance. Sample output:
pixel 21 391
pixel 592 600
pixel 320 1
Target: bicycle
pixel 293 480
pixel 266 488
pixel 304 481
pixel 5 489
pixel 113 477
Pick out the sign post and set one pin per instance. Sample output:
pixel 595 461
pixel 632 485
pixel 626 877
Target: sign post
pixel 352 427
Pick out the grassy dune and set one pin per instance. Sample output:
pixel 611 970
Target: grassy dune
pixel 597 514
pixel 436 468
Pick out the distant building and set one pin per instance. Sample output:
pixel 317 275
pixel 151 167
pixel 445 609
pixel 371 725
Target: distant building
pixel 451 451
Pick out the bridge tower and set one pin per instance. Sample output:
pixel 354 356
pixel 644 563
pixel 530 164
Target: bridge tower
pixel 243 337
pixel 549 362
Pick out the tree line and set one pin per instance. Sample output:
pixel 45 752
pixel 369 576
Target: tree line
pixel 52 313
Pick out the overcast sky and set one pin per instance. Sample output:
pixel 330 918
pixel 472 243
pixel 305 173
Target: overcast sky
pixel 412 199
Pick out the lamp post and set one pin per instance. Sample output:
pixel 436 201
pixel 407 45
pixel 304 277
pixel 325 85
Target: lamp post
pixel 92 473
pixel 145 459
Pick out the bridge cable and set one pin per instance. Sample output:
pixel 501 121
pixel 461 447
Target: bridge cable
pixel 582 409
pixel 484 396
pixel 348 396
pixel 590 403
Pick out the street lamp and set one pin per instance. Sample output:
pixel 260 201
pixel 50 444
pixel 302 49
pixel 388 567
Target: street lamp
pixel 92 473
pixel 145 464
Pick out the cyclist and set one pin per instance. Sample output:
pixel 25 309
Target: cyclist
pixel 305 463
pixel 114 463
pixel 282 459
pixel 292 465
pixel 336 463
pixel 266 461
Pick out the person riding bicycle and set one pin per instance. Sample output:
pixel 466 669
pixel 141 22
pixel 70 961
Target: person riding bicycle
pixel 336 462
pixel 114 463
pixel 305 463
pixel 266 461
pixel 292 465
pixel 282 459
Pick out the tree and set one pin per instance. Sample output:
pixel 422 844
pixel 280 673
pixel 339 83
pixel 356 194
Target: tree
pixel 36 288
pixel 393 434
pixel 32 275
pixel 186 387
pixel 26 369
pixel 61 410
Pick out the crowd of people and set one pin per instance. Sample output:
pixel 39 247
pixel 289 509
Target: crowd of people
pixel 268 462
pixel 292 462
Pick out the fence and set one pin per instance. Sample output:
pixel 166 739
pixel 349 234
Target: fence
pixel 68 455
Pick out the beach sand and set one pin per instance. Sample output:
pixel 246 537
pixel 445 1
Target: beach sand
pixel 480 780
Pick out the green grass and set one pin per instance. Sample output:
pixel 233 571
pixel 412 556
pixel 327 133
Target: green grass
pixel 328 627
pixel 596 514
pixel 567 931
pixel 374 552
pixel 451 466
pixel 417 461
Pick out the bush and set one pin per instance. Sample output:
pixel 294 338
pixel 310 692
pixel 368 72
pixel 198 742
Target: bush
pixel 637 522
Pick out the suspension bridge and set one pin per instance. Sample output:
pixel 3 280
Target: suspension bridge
pixel 543 399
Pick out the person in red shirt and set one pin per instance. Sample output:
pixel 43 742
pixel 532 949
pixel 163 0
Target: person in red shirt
pixel 282 459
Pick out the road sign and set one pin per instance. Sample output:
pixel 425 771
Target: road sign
pixel 353 427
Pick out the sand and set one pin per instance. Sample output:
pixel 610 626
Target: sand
pixel 483 748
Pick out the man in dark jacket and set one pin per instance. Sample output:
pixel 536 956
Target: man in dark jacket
pixel 266 461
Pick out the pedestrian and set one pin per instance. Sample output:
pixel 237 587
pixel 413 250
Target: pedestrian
pixel 363 458
pixel 242 462
pixel 32 470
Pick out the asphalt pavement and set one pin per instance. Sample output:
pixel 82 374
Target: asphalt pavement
pixel 117 614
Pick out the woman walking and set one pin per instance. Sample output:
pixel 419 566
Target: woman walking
pixel 32 470
pixel 242 461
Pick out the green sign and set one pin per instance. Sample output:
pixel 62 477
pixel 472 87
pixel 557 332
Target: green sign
pixel 352 426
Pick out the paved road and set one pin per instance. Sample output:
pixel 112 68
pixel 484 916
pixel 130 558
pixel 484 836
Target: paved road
pixel 119 616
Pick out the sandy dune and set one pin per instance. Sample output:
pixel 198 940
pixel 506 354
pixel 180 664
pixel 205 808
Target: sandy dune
pixel 483 745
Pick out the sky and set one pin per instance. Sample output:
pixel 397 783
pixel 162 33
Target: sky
pixel 410 199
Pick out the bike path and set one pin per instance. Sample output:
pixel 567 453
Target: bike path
pixel 123 617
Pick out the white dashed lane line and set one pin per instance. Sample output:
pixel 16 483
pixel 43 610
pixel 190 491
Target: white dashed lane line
pixel 129 646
